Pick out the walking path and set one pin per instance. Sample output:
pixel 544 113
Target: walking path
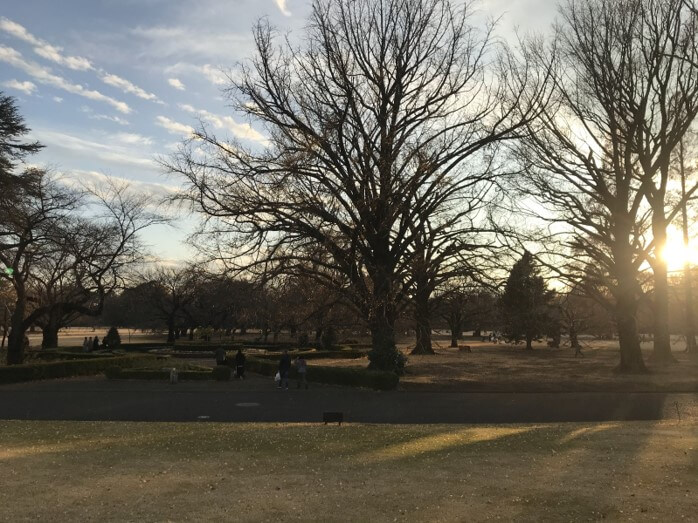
pixel 257 399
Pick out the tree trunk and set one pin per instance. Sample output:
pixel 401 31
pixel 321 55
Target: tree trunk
pixel 423 325
pixel 170 331
pixel 191 333
pixel 529 342
pixel 5 326
pixel 630 353
pixel 690 331
pixel 574 341
pixel 15 342
pixel 384 353
pixel 662 342
pixel 49 335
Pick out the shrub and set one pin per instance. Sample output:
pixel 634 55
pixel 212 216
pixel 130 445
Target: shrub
pixel 156 374
pixel 303 340
pixel 64 369
pixel 328 340
pixel 112 340
pixel 353 377
pixel 222 373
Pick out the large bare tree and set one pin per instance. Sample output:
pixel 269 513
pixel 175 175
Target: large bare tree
pixel 370 121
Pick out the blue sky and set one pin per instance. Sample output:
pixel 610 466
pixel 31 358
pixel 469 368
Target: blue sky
pixel 110 85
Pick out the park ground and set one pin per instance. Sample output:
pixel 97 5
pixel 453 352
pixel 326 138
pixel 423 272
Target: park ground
pixel 105 471
pixel 60 470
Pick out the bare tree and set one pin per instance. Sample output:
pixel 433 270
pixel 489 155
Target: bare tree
pixel 96 251
pixel 168 290
pixel 598 152
pixel 369 124
pixel 29 235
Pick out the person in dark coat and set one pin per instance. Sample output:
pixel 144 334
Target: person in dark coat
pixel 95 343
pixel 284 368
pixel 240 364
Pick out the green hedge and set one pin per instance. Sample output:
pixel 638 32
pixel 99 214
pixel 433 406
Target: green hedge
pixel 353 377
pixel 116 373
pixel 53 355
pixel 348 354
pixel 65 369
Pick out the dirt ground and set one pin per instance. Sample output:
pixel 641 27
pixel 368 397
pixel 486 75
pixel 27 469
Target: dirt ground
pixel 505 368
pixel 101 471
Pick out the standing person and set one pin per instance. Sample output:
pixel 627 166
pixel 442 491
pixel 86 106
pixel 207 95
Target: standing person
pixel 85 345
pixel 95 343
pixel 240 364
pixel 302 368
pixel 284 368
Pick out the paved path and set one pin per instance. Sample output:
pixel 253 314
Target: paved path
pixel 257 399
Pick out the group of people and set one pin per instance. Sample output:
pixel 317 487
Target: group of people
pixel 90 344
pixel 221 359
pixel 282 375
pixel 285 369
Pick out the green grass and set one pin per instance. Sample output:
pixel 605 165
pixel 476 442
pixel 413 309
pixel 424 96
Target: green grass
pixel 259 472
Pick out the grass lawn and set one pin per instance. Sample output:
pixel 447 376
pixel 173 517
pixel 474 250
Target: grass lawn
pixel 502 367
pixel 81 471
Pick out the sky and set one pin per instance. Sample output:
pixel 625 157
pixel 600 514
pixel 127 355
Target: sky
pixel 110 86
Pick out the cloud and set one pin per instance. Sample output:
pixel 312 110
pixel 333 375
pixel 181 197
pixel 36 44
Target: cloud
pixel 133 139
pixel 128 87
pixel 281 4
pixel 176 83
pixel 43 48
pixel 45 76
pixel 109 118
pixel 239 130
pixel 77 63
pixel 27 87
pixel 213 74
pixel 110 148
pixel 58 99
pixel 173 127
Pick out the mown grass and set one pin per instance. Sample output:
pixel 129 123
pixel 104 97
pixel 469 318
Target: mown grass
pixel 102 471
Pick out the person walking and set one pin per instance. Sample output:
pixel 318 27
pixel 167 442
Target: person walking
pixel 302 369
pixel 95 343
pixel 240 365
pixel 85 345
pixel 284 368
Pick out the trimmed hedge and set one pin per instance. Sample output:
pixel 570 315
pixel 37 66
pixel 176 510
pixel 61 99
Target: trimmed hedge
pixel 352 377
pixel 117 373
pixel 53 355
pixel 65 369
pixel 347 354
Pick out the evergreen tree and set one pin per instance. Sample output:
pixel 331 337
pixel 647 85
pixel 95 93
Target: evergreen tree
pixel 112 340
pixel 525 302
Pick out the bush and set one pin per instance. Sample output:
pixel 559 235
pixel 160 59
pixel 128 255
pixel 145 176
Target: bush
pixel 112 340
pixel 389 360
pixel 222 373
pixel 346 354
pixel 303 340
pixel 156 374
pixel 328 340
pixel 65 369
pixel 352 377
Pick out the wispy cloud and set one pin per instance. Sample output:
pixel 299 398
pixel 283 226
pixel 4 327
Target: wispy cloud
pixel 213 74
pixel 173 127
pixel 239 130
pixel 58 99
pixel 43 48
pixel 176 83
pixel 128 87
pixel 110 150
pixel 27 87
pixel 45 76
pixel 54 54
pixel 281 4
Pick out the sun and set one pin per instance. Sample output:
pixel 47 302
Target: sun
pixel 675 253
